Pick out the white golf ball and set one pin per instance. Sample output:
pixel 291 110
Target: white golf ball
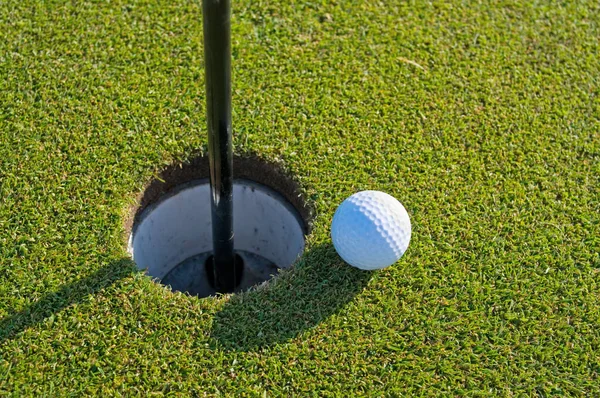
pixel 370 230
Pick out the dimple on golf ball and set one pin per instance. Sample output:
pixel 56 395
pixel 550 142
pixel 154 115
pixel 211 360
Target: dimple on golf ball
pixel 370 230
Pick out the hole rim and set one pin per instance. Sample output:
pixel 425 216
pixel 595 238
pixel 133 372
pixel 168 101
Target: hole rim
pixel 178 177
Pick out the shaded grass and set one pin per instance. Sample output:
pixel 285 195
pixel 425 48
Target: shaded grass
pixel 297 300
pixel 489 136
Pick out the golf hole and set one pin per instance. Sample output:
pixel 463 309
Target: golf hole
pixel 171 231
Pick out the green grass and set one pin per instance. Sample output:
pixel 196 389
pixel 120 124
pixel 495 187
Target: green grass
pixel 483 118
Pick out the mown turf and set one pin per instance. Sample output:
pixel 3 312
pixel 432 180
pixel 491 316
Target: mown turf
pixel 483 118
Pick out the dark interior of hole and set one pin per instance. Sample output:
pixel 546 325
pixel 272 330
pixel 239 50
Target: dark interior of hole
pixel 230 280
pixel 193 275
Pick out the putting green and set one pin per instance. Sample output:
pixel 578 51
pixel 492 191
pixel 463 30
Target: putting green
pixel 482 119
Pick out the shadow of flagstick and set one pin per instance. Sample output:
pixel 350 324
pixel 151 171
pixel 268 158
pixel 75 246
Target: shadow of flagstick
pixel 299 299
pixel 75 292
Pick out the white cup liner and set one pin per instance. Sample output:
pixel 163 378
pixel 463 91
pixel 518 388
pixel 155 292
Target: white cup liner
pixel 179 226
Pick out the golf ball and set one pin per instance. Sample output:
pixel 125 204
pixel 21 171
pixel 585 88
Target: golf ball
pixel 370 230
